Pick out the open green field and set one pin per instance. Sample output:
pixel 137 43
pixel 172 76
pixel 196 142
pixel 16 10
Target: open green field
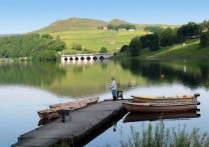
pixel 84 32
pixel 187 51
pixel 114 40
pixel 95 39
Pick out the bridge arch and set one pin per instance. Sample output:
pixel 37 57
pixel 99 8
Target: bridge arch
pixel 88 58
pixel 76 58
pixel 101 58
pixel 97 56
pixel 94 58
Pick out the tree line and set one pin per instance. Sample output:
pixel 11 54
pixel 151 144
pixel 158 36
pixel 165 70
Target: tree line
pixel 161 37
pixel 33 46
pixel 118 27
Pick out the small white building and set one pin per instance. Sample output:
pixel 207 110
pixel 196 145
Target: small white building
pixel 122 29
pixel 131 30
pixel 105 28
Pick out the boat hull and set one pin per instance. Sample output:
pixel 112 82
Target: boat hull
pixel 152 99
pixel 76 104
pixel 159 107
pixel 52 113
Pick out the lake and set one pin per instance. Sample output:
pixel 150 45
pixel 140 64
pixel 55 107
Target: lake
pixel 27 87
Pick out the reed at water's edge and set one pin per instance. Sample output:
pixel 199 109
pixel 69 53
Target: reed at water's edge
pixel 160 136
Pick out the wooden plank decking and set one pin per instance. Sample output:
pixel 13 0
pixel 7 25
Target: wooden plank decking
pixel 84 122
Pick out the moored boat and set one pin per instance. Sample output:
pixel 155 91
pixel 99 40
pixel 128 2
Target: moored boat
pixel 88 101
pixel 158 99
pixel 53 112
pixel 134 117
pixel 160 107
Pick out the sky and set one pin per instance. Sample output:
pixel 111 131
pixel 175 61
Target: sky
pixel 22 16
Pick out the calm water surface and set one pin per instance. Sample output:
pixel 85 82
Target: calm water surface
pixel 26 88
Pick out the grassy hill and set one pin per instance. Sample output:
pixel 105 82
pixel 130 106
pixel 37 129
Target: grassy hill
pixel 117 22
pixel 73 24
pixel 95 39
pixel 84 32
pixel 189 50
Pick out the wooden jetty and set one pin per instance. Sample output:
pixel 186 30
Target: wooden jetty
pixel 84 123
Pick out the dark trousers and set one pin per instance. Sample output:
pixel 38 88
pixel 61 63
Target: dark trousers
pixel 114 95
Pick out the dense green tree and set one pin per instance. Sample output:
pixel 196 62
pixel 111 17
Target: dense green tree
pixel 204 39
pixel 135 46
pixel 56 45
pixel 29 45
pixel 189 30
pixel 145 41
pixel 150 41
pixel 166 37
pixel 204 24
pixel 121 26
pixel 110 27
pixel 124 48
pixel 154 42
pixel 46 55
pixel 47 36
pixel 103 50
pixel 153 29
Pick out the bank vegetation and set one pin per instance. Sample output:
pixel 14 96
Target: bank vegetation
pixel 189 40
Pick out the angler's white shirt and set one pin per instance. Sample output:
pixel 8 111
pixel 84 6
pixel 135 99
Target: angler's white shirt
pixel 113 85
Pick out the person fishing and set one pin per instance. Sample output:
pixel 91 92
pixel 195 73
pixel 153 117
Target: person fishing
pixel 113 88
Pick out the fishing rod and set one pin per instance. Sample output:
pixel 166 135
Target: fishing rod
pixel 98 81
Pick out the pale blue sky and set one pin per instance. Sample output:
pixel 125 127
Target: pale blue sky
pixel 21 16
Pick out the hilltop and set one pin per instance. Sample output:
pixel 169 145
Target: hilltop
pixel 118 21
pixel 73 24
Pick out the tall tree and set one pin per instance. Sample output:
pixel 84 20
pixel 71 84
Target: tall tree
pixel 189 30
pixel 135 46
pixel 166 37
pixel 154 42
pixel 103 50
pixel 204 39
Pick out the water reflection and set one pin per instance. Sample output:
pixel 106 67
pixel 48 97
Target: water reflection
pixel 82 79
pixel 135 117
pixel 132 73
pixel 190 73
pixel 33 74
pixel 56 82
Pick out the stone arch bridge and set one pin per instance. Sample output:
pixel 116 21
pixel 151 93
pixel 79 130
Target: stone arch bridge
pixel 99 56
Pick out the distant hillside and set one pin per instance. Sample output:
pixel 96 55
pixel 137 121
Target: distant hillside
pixel 78 24
pixel 73 24
pixel 84 32
pixel 118 22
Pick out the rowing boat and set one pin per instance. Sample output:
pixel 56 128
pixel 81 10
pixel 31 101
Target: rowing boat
pixel 160 107
pixel 88 101
pixel 53 112
pixel 158 99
